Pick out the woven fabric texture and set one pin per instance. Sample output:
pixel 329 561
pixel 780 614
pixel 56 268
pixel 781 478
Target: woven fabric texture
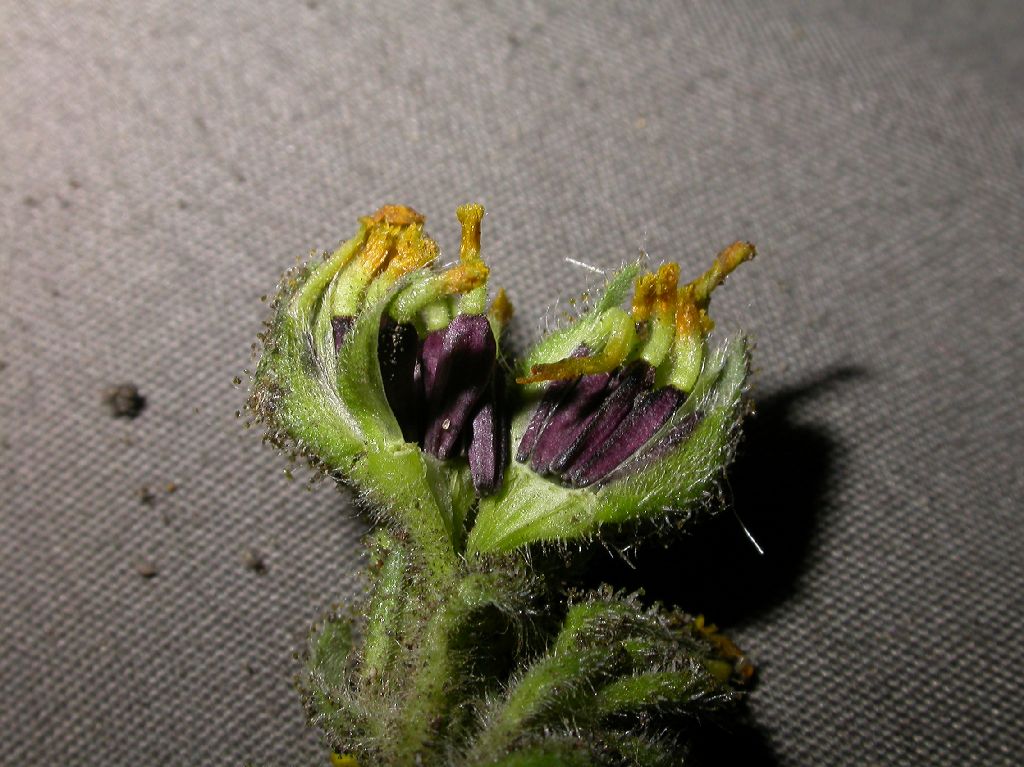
pixel 161 163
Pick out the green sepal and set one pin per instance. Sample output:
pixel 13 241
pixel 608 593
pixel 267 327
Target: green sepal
pixel 333 412
pixel 311 293
pixel 293 394
pixel 531 508
pixel 315 293
pixel 656 689
pixel 359 381
pixel 330 702
pixel 329 650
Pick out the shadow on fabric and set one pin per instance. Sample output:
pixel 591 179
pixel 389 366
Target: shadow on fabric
pixel 778 485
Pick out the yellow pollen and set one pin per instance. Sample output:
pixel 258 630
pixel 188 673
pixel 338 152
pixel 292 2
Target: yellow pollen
pixel 413 250
pixel 643 297
pixel 501 308
pixel 397 215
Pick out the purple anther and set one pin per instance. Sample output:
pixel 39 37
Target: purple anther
pixel 398 356
pixel 460 374
pixel 651 411
pixel 430 357
pixel 635 380
pixel 489 446
pixel 567 421
pixel 552 396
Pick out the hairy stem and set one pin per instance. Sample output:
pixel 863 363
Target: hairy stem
pixel 425 709
pixel 383 622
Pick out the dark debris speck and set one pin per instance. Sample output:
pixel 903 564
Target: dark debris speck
pixel 254 562
pixel 125 401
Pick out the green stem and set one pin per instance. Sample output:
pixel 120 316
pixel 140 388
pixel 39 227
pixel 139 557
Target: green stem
pixel 425 711
pixel 425 508
pixel 560 681
pixel 437 675
pixel 383 623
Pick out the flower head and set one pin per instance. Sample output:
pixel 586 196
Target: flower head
pixel 383 366
pixel 628 414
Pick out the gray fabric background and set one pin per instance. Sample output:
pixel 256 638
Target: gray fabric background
pixel 162 162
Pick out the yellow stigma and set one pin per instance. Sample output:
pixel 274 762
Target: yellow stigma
pixel 395 243
pixel 413 250
pixel 691 321
pixel 692 299
pixel 655 294
pixel 643 297
pixel 665 290
pixel 396 215
pixel 469 216
pixel 471 271
pixel 619 336
pixel 464 277
pixel 379 242
pixel 725 262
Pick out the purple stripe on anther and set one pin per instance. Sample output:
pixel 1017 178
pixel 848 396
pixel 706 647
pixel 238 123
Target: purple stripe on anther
pixel 463 369
pixel 634 381
pixel 552 396
pixel 567 421
pixel 650 413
